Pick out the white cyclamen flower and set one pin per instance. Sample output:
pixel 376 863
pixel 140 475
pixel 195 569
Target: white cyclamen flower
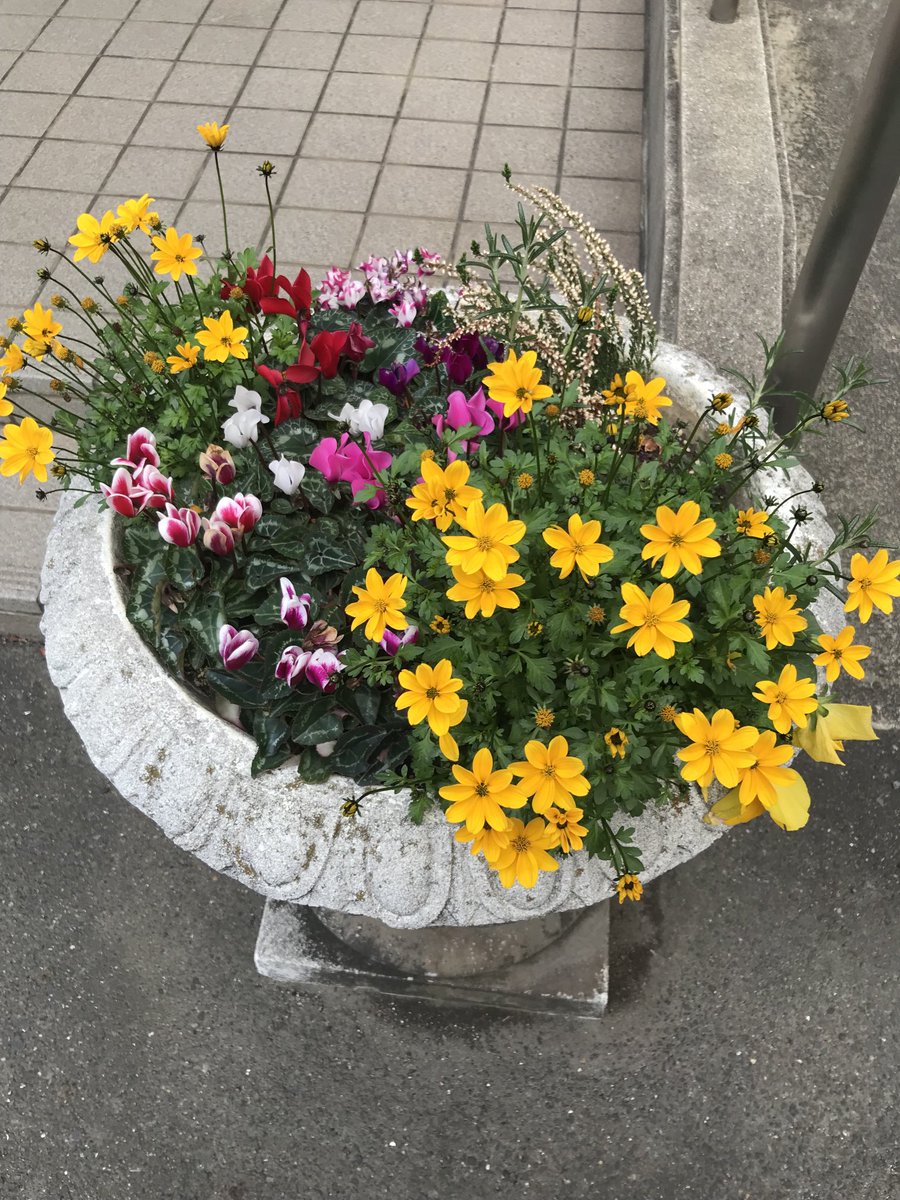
pixel 245 400
pixel 242 428
pixel 368 418
pixel 288 474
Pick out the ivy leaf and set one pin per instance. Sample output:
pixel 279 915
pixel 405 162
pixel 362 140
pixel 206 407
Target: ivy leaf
pixel 317 727
pixel 313 767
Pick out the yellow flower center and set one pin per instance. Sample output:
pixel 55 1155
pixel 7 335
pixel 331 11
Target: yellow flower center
pixel 484 543
pixel 712 747
pixel 31 451
pixel 651 620
pixel 677 539
pixel 865 584
pixel 226 340
pixel 380 606
pixel 487 585
pixel 838 654
pixel 781 697
pixel 520 844
pixel 523 394
pixel 179 258
pixel 449 495
pixel 549 771
pixel 432 693
pixel 481 789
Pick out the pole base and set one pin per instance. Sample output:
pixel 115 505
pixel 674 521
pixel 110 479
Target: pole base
pixel 568 976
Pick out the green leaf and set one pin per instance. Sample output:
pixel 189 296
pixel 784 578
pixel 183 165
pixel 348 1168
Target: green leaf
pixel 313 767
pixel 185 570
pixel 262 571
pixel 326 728
pixel 239 687
pixel 418 807
pixel 202 619
pixel 318 491
pixel 321 553
pixel 272 737
pixel 355 750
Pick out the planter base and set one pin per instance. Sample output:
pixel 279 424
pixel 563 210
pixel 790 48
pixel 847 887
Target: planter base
pixel 567 976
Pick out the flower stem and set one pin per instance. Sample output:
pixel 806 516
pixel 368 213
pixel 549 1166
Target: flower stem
pixel 537 452
pixel 222 198
pixel 271 226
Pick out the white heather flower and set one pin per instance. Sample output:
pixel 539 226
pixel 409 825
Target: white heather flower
pixel 288 474
pixel 241 429
pixel 245 400
pixel 368 418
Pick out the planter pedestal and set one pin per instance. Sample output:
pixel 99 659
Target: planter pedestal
pixel 554 964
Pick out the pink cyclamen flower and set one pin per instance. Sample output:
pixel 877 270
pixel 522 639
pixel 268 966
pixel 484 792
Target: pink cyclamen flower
pixel 237 647
pixel 157 488
pixel 461 412
pixel 240 512
pixel 321 669
pixel 391 642
pixel 123 495
pixel 218 537
pixel 329 457
pixel 291 665
pixel 217 465
pixel 496 407
pixel 340 290
pixel 141 448
pixel 179 526
pixel 361 468
pixel 294 607
pixel 404 311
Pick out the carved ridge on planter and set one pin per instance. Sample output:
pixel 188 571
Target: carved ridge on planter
pixel 189 770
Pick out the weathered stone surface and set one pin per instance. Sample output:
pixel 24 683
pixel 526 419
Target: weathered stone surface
pixel 189 770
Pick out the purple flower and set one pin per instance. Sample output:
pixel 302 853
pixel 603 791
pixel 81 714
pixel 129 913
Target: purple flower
pixel 462 412
pixel 396 378
pixel 321 668
pixel 391 642
pixel 236 647
pixel 179 526
pixel 294 608
pixel 291 664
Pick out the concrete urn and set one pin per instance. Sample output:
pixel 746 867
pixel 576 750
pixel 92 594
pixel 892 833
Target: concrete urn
pixel 189 770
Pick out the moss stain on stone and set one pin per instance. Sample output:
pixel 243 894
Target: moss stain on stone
pixel 151 773
pixel 309 856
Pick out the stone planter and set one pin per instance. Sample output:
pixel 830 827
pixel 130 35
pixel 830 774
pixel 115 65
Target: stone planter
pixel 189 770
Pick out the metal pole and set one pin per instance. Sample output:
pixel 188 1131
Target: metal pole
pixel 860 191
pixel 724 11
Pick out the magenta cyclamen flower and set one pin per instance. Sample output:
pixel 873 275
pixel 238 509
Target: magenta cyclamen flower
pixel 291 664
pixel 179 526
pixel 346 461
pixel 294 608
pixel 123 495
pixel 396 378
pixel 236 647
pixel 391 642
pixel 157 488
pixel 322 668
pixel 462 412
pixel 141 449
pixel 240 512
pixel 218 537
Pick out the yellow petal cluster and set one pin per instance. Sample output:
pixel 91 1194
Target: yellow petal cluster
pixel 379 604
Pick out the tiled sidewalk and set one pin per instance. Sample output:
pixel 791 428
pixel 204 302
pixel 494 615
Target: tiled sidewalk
pixel 387 120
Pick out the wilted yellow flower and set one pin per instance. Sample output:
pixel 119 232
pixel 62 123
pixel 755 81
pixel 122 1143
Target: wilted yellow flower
pixel 616 741
pixel 629 887
pixel 826 733
pixel 836 410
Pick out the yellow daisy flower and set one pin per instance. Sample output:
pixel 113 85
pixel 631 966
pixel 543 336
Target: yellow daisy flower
pixel 718 749
pixel 577 546
pixel 94 237
pixel 840 652
pixel 550 776
pixel 777 617
pixel 479 796
pixel 444 494
pixel 135 214
pixel 484 595
pixel 616 741
pixel 656 620
pixel 185 357
pixel 379 604
pixel 565 831
pixel 175 255
pixel 6 407
pixel 680 539
pixel 763 778
pixel 752 523
pixel 429 694
pixel 487 544
pixel 615 393
pixel 26 450
pixel 40 325
pixel 516 383
pixel 221 339
pixel 12 359
pixel 526 854
pixel 487 841
pixel 643 400
pixel 789 699
pixel 213 134
pixel 873 584
pixel 629 887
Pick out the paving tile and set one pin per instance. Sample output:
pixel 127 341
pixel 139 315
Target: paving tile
pixel 281 88
pixel 223 44
pixel 489 198
pixel 90 119
pixel 426 142
pixel 444 99
pixel 560 5
pixel 379 95
pixel 322 16
pixel 529 27
pixel 18 282
pixel 166 124
pixel 526 104
pixel 424 191
pixel 603 155
pixel 75 35
pixel 377 55
pixel 14 151
pixel 340 135
pixel 610 6
pixel 473 231
pixel 24 537
pixel 607 203
pixel 246 224
pixel 29 213
pixel 606 108
pixel 204 83
pixel 161 172
pixel 625 246
pixel 28 113
pixel 529 151
pixel 96 8
pixel 240 178
pixel 7 59
pixel 385 233
pixel 150 39
pixel 294 48
pixel 260 13
pixel 36 72
pixel 325 183
pixel 253 131
pixel 609 68
pixel 464 22
pixel 19 32
pixel 325 238
pixel 532 64
pixel 386 18
pixel 186 12
pixel 68 166
pixel 138 79
pixel 29 7
pixel 614 31
pixel 481 3
pixel 455 59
